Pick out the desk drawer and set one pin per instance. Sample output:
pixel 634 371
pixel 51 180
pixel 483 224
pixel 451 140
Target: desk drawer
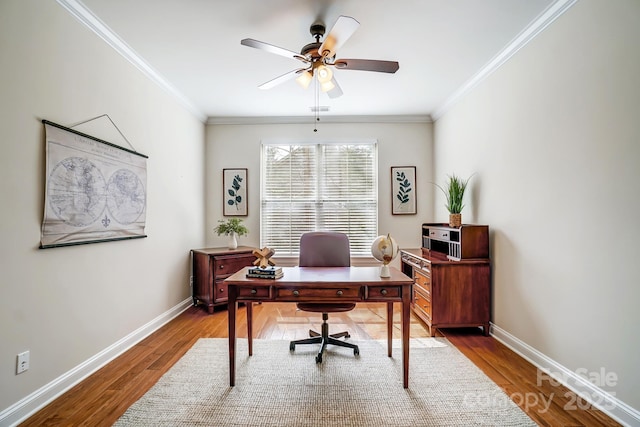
pixel 380 293
pixel 421 303
pixel 437 234
pixel 423 281
pixel 332 294
pixel 254 292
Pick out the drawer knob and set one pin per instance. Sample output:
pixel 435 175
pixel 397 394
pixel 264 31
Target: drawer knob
pixel 221 290
pixel 221 267
pixel 339 293
pixel 296 293
pixel 383 292
pixel 254 291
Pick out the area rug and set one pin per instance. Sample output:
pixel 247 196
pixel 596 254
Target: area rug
pixel 276 387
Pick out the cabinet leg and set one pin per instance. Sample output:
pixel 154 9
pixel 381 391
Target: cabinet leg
pixel 485 329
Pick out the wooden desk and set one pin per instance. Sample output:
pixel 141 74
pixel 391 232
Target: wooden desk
pixel 322 284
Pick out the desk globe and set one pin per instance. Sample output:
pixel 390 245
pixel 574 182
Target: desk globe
pixel 384 249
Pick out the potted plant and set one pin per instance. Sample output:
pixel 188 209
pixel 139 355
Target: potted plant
pixel 233 227
pixel 454 194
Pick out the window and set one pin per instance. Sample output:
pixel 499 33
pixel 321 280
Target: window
pixel 315 187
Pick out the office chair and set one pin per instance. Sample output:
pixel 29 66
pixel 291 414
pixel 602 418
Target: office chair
pixel 325 249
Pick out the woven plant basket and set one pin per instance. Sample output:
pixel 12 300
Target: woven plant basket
pixel 455 220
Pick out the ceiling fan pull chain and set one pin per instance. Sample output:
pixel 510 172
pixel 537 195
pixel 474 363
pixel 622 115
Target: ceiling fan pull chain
pixel 317 104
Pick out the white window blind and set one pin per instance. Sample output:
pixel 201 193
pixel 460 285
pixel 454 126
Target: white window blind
pixel 318 187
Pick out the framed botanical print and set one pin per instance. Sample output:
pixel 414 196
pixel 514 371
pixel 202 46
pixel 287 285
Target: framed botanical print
pixel 235 200
pixel 403 190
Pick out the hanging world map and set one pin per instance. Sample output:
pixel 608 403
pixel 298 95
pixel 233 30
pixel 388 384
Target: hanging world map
pixel 95 191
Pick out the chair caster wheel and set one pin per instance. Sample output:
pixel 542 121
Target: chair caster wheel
pixel 292 347
pixel 356 351
pixel 319 358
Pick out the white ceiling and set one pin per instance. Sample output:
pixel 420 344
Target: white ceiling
pixel 192 48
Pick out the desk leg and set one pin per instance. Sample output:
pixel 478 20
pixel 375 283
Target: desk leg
pixel 389 328
pixel 250 326
pixel 406 319
pixel 232 310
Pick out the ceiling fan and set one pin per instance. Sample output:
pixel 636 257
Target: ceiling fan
pixel 319 57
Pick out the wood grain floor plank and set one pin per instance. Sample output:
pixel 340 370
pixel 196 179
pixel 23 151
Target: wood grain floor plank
pixel 104 396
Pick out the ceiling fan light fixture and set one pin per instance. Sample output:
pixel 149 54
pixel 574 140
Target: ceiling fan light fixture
pixel 304 79
pixel 327 86
pixel 324 74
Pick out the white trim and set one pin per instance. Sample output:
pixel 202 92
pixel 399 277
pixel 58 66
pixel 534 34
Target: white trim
pixel 604 401
pixel 540 23
pixel 91 21
pixel 27 406
pixel 323 119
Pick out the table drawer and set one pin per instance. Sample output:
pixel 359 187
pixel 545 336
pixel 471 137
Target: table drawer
pixel 254 292
pixel 323 293
pixel 380 293
pixel 229 264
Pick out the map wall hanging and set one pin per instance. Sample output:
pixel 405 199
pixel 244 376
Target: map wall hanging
pixel 95 191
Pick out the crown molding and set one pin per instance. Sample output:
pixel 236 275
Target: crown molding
pixel 537 25
pixel 86 17
pixel 323 119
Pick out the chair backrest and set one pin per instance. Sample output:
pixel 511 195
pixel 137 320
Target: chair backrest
pixel 324 249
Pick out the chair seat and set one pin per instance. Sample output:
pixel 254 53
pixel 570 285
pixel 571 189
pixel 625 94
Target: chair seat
pixel 326 307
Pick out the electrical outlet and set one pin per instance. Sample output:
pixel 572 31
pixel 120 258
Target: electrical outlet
pixel 23 362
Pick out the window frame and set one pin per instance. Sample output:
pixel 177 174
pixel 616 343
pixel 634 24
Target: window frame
pixel 361 250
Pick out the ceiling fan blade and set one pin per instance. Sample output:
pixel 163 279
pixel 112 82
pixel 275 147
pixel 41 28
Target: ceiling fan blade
pixel 273 49
pixel 344 27
pixel 336 92
pixel 367 65
pixel 283 78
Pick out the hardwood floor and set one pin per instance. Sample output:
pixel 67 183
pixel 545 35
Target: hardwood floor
pixel 104 396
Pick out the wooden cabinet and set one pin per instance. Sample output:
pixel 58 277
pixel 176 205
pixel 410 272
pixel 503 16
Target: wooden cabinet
pixel 452 276
pixel 209 269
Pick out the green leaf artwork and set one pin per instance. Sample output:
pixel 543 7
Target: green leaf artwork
pixel 234 192
pixel 404 187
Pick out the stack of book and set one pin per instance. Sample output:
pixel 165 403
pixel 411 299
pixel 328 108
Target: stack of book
pixel 270 272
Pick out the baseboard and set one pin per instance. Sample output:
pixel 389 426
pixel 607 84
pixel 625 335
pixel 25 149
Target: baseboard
pixel 552 370
pixel 30 404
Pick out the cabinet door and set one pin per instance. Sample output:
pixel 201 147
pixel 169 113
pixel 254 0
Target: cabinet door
pixel 460 294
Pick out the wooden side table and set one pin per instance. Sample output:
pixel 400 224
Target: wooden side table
pixel 210 267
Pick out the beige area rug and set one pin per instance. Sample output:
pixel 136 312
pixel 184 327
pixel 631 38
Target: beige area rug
pixel 276 387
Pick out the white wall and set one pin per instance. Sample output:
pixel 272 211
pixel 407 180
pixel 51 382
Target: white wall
pixel 399 144
pixel 553 137
pixel 67 304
